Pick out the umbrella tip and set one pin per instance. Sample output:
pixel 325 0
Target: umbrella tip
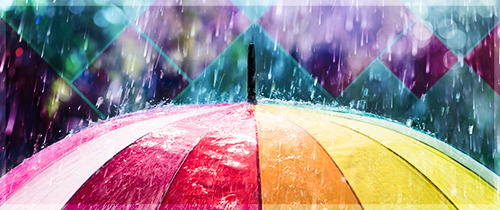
pixel 251 97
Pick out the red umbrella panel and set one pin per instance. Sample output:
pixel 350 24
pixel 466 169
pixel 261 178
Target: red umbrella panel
pixel 246 156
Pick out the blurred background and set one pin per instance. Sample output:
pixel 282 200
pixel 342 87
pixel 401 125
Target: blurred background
pixel 69 64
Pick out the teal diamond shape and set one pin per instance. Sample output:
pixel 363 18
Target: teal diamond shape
pixel 462 110
pixel 223 80
pixel 279 76
pixel 377 90
pixel 69 38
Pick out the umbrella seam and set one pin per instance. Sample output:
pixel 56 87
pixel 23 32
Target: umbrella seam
pixel 321 146
pixel 69 138
pixel 403 159
pixel 110 159
pixel 437 147
pixel 259 183
pixel 103 165
pixel 188 154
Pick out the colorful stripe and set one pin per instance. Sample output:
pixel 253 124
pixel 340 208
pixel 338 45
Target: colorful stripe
pixel 56 184
pixel 377 175
pixel 251 157
pixel 11 181
pixel 295 170
pixel 141 173
pixel 467 161
pixel 221 171
pixel 463 187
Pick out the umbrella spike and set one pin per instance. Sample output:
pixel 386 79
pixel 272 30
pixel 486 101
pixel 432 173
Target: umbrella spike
pixel 251 97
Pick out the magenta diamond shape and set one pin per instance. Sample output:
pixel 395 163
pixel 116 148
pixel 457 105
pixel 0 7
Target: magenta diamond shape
pixel 485 59
pixel 335 43
pixel 192 35
pixel 419 59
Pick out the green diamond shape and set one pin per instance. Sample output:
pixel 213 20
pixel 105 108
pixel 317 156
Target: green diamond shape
pixel 69 38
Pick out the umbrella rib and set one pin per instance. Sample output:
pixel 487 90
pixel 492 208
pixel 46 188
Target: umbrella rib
pixel 115 155
pixel 187 155
pixel 259 184
pixel 104 165
pixel 321 146
pixel 397 155
pixel 487 175
pixel 67 144
pixel 137 140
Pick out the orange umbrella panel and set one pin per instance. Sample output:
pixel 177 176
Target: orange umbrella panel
pixel 295 169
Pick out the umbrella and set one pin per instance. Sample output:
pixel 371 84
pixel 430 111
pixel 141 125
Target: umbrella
pixel 250 156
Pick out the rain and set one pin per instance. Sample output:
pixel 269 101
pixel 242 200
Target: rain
pixel 432 67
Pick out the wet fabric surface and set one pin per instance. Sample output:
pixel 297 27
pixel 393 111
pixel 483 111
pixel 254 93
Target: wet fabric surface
pixel 461 186
pixel 56 184
pixel 296 170
pixel 141 173
pixel 221 171
pixel 377 175
pixel 39 161
pixel 243 156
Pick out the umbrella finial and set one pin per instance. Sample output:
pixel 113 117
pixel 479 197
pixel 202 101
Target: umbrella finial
pixel 251 98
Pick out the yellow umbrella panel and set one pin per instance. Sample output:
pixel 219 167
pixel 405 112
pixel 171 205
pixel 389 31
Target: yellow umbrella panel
pixel 385 168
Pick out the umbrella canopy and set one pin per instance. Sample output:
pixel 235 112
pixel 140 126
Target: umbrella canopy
pixel 247 156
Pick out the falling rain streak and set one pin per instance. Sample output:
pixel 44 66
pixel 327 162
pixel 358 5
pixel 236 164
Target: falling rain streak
pixel 431 67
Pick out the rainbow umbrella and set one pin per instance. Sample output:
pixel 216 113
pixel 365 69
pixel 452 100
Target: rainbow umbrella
pixel 247 156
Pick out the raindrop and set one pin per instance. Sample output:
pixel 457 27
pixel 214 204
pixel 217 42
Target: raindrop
pixel 427 65
pixel 320 13
pixel 409 122
pixel 215 76
pixel 192 33
pixel 365 91
pixel 270 71
pixel 2 64
pixel 86 45
pixel 237 89
pixel 217 28
pixel 276 41
pixel 99 102
pixel 231 21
